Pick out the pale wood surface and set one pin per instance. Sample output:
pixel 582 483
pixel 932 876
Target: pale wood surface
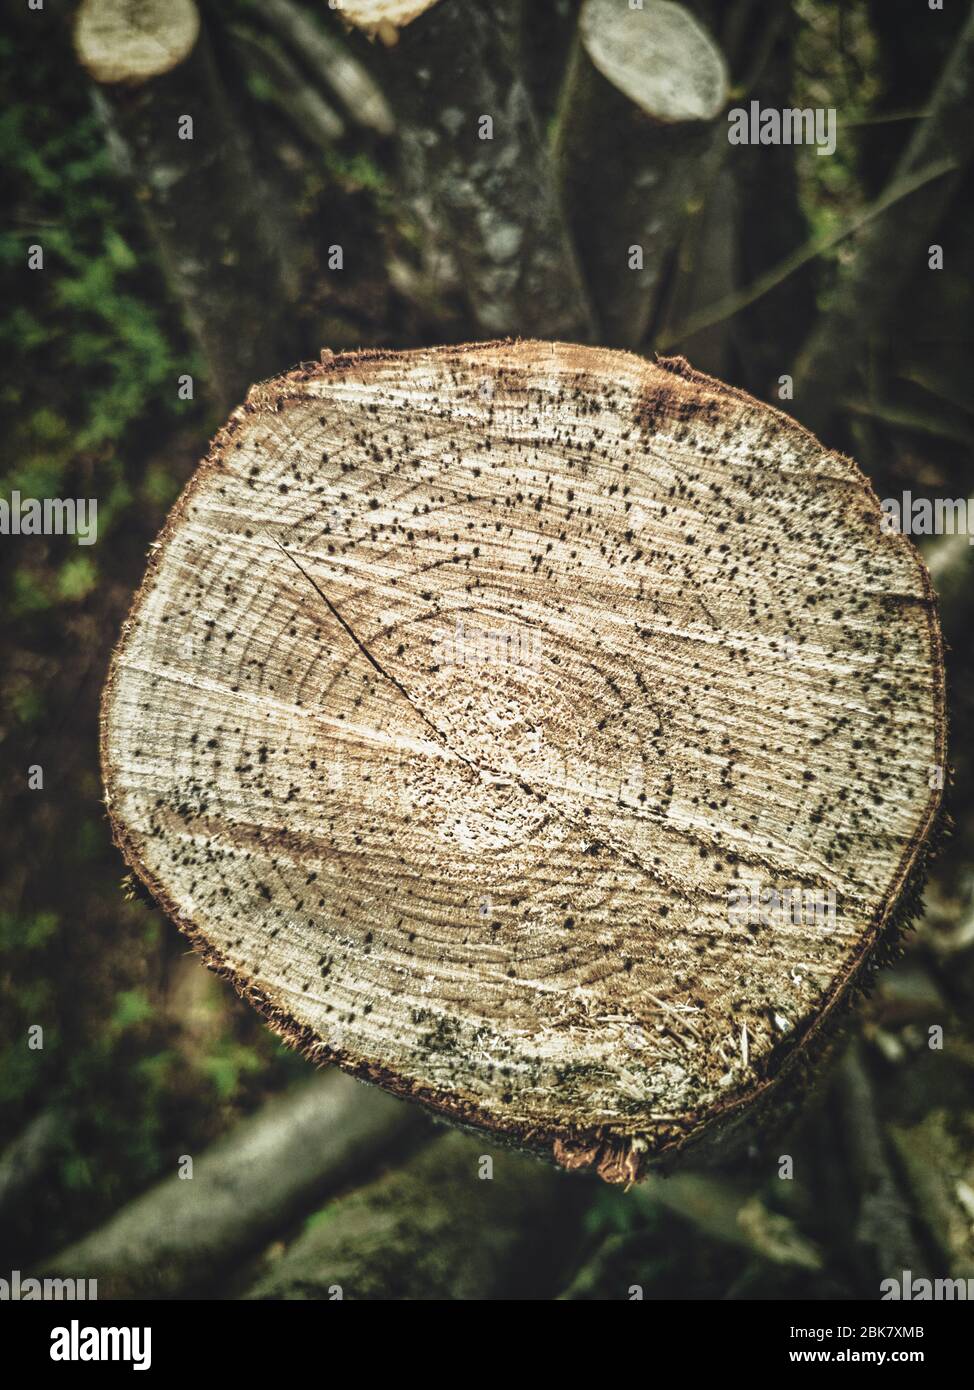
pixel 383 16
pixel 132 41
pixel 659 56
pixel 502 886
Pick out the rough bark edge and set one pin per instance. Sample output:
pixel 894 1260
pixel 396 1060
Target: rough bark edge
pixel 615 1156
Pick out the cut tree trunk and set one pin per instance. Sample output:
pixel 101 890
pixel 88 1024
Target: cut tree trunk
pixel 439 1229
pixel 482 193
pixel 186 1233
pixel 201 196
pixel 465 687
pixel 635 142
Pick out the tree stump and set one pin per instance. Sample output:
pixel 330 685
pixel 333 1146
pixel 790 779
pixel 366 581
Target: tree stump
pixel 483 711
pixel 176 134
pixel 636 142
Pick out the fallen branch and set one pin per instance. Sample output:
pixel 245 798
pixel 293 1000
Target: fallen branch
pixel 28 1160
pixel 438 1229
pixel 187 1232
pixel 884 1236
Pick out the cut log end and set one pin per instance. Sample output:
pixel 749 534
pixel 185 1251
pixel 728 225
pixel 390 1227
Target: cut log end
pixel 659 56
pixel 471 696
pixel 132 41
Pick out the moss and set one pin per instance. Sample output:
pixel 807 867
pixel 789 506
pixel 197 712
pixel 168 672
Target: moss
pixel 76 578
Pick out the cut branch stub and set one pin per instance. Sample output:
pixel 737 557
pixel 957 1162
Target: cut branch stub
pixel 468 688
pixel 133 41
pixel 658 56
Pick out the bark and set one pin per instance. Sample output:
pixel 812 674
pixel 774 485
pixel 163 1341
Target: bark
pixel 202 197
pixel 951 562
pixel 706 273
pixel 487 195
pixel 186 1233
pixel 770 331
pixel 909 47
pixel 438 1230
pixel 635 143
pixel 802 256
pixel 491 868
pixel 891 250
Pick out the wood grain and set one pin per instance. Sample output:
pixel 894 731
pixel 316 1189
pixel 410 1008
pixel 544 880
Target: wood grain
pixel 464 687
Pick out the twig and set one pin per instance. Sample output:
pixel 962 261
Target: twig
pixel 330 60
pixel 303 106
pixel 733 304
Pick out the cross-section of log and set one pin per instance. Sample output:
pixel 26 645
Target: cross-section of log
pixel 547 735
